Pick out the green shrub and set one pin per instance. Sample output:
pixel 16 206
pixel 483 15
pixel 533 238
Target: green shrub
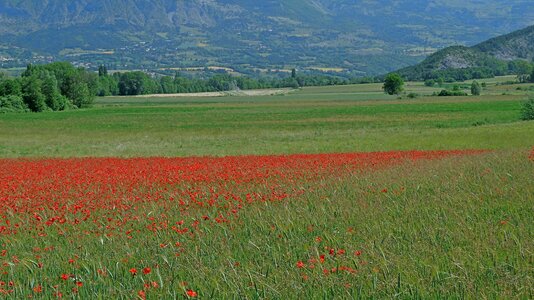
pixel 527 111
pixel 393 84
pixel 412 95
pixel 12 103
pixel 447 93
pixel 475 88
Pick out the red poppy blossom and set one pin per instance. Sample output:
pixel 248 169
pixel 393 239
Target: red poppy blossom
pixel 38 289
pixel 191 293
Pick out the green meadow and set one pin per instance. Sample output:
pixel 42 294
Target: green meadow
pixel 455 228
pixel 311 120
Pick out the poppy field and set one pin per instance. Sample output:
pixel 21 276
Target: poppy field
pixel 313 196
pixel 146 227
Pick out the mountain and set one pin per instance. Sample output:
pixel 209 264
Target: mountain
pixel 358 37
pixel 497 56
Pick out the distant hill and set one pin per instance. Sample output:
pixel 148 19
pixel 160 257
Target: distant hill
pixel 498 56
pixel 357 37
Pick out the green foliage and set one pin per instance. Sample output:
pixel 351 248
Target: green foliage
pixel 430 82
pixel 56 86
pixel 139 83
pixel 519 67
pixel 78 92
pixel 32 94
pixel 532 76
pixel 102 71
pixel 136 83
pixel 107 85
pixel 412 95
pixel 12 103
pixel 10 87
pixel 393 84
pixel 527 110
pixel 53 97
pixel 476 88
pixel 63 85
pixel 447 93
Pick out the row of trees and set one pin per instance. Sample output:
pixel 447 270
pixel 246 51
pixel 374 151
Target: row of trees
pixel 61 86
pixel 394 85
pixel 56 86
pixel 140 83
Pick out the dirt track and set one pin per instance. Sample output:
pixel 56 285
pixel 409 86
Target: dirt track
pixel 265 92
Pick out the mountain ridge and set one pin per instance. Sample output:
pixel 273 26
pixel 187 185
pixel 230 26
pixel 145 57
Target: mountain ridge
pixel 497 56
pixel 357 36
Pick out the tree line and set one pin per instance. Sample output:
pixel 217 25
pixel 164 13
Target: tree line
pixel 141 83
pixel 61 86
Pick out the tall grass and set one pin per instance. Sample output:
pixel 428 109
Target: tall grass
pixel 455 228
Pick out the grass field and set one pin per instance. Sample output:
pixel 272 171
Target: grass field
pixel 324 119
pixel 408 225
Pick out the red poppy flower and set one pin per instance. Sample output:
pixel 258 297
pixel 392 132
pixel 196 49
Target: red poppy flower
pixel 191 293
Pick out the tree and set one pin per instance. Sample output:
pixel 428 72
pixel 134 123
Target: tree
pixel 293 73
pixel 78 85
pixel 393 84
pixel 519 67
pixel 527 111
pixel 80 95
pixel 167 85
pixel 475 88
pixel 102 71
pixel 10 87
pixel 32 95
pixel 107 86
pixel 532 76
pixel 53 97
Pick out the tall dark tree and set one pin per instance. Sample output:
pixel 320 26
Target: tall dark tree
pixel 102 71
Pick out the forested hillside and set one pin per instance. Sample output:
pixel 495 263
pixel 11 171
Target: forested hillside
pixel 350 37
pixel 512 53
